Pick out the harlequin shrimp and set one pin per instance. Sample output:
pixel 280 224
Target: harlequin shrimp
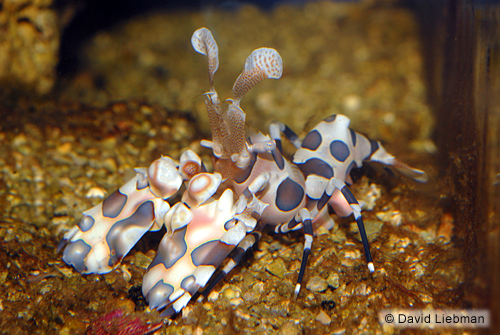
pixel 296 193
pixel 222 213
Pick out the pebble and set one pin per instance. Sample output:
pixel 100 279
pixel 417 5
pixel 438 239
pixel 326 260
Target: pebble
pixel 338 235
pixel 317 284
pixel 109 143
pixel 258 287
pixel 373 229
pixel 277 267
pixel 428 235
pixel 388 329
pixel 236 301
pixel 339 331
pixel 141 260
pixel 244 316
pixel 110 164
pixel 393 217
pixel 368 194
pixel 213 296
pixel 127 276
pixel 417 269
pixel 231 292
pixel 251 296
pixel 282 309
pixel 289 328
pixel 362 290
pixel 19 140
pixel 3 276
pixel 64 148
pixel 95 192
pixel 333 280
pixel 352 254
pixel 323 318
pixel 58 220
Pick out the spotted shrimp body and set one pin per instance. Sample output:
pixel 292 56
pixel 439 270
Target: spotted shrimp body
pixel 296 192
pixel 222 213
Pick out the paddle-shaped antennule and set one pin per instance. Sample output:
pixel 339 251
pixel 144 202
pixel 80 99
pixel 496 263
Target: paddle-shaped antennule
pixel 204 43
pixel 262 63
pixel 228 129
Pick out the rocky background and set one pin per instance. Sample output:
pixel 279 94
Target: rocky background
pixel 30 33
pixel 362 61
